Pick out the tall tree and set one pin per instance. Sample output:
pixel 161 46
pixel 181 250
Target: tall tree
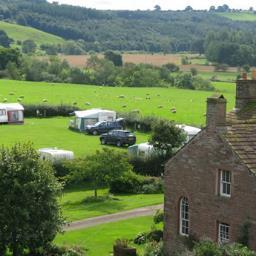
pixel 5 41
pixel 30 216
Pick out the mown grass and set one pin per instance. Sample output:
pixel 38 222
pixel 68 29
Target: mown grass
pixel 190 105
pixel 54 132
pixel 239 16
pixel 74 207
pixel 22 33
pixel 221 76
pixel 99 240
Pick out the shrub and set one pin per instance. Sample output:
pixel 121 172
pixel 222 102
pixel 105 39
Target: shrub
pixel 238 250
pixel 64 251
pixel 155 235
pixel 152 165
pixel 207 248
pixel 159 216
pixel 154 249
pixel 129 182
pixel 141 238
pixel 48 110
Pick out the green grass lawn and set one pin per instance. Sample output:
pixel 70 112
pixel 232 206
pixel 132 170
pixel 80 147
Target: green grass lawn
pixel 23 33
pixel 190 105
pixel 54 132
pixel 74 207
pixel 222 76
pixel 241 16
pixel 99 240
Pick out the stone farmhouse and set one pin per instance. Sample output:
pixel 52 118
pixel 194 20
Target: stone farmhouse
pixel 210 184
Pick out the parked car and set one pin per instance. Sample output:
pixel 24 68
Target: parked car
pixel 104 127
pixel 118 138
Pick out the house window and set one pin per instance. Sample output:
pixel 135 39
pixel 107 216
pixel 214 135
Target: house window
pixel 225 183
pixel 224 233
pixel 184 217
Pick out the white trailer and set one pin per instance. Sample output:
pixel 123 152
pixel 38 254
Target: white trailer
pixel 55 155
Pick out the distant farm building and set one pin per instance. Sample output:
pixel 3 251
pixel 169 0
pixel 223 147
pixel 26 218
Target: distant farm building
pixel 91 117
pixel 11 113
pixel 55 155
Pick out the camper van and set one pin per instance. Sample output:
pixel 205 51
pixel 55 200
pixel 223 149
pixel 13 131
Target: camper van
pixel 90 117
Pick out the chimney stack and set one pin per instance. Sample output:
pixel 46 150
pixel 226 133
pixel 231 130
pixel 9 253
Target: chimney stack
pixel 245 91
pixel 216 112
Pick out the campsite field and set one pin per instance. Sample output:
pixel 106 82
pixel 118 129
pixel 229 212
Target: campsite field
pixel 190 104
pixel 99 240
pixel 54 132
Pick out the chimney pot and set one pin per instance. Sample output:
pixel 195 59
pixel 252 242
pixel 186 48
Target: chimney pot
pixel 216 112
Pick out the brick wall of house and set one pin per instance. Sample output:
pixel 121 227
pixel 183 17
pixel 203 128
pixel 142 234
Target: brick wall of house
pixel 194 173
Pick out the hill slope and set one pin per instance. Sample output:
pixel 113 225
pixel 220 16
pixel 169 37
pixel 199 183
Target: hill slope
pixel 239 16
pixel 22 33
pixel 151 31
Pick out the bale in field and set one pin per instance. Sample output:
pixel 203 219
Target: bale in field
pixel 11 93
pixel 173 110
pixel 121 96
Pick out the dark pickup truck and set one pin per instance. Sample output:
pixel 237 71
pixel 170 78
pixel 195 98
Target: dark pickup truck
pixel 118 138
pixel 104 126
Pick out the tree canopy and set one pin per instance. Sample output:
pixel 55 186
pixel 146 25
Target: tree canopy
pixel 30 216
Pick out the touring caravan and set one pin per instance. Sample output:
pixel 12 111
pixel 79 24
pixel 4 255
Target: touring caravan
pixel 54 154
pixel 91 117
pixel 11 113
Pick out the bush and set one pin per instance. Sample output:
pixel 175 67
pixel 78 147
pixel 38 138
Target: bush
pixel 141 238
pixel 207 248
pixel 159 216
pixel 238 250
pixel 155 235
pixel 154 249
pixel 152 166
pixel 129 182
pixel 48 110
pixel 64 251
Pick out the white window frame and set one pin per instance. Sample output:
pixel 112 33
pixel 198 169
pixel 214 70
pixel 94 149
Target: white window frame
pixel 225 183
pixel 184 217
pixel 223 233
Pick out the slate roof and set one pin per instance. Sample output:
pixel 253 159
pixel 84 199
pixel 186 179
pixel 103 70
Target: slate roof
pixel 241 134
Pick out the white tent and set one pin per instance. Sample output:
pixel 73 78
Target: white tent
pixel 90 117
pixel 54 154
pixel 142 150
pixel 189 130
pixel 11 113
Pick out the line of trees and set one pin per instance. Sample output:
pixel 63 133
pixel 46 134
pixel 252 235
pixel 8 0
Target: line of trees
pixel 107 71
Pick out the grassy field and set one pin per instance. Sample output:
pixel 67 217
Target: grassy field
pixel 99 240
pixel 74 207
pixel 239 16
pixel 54 132
pixel 190 105
pixel 22 33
